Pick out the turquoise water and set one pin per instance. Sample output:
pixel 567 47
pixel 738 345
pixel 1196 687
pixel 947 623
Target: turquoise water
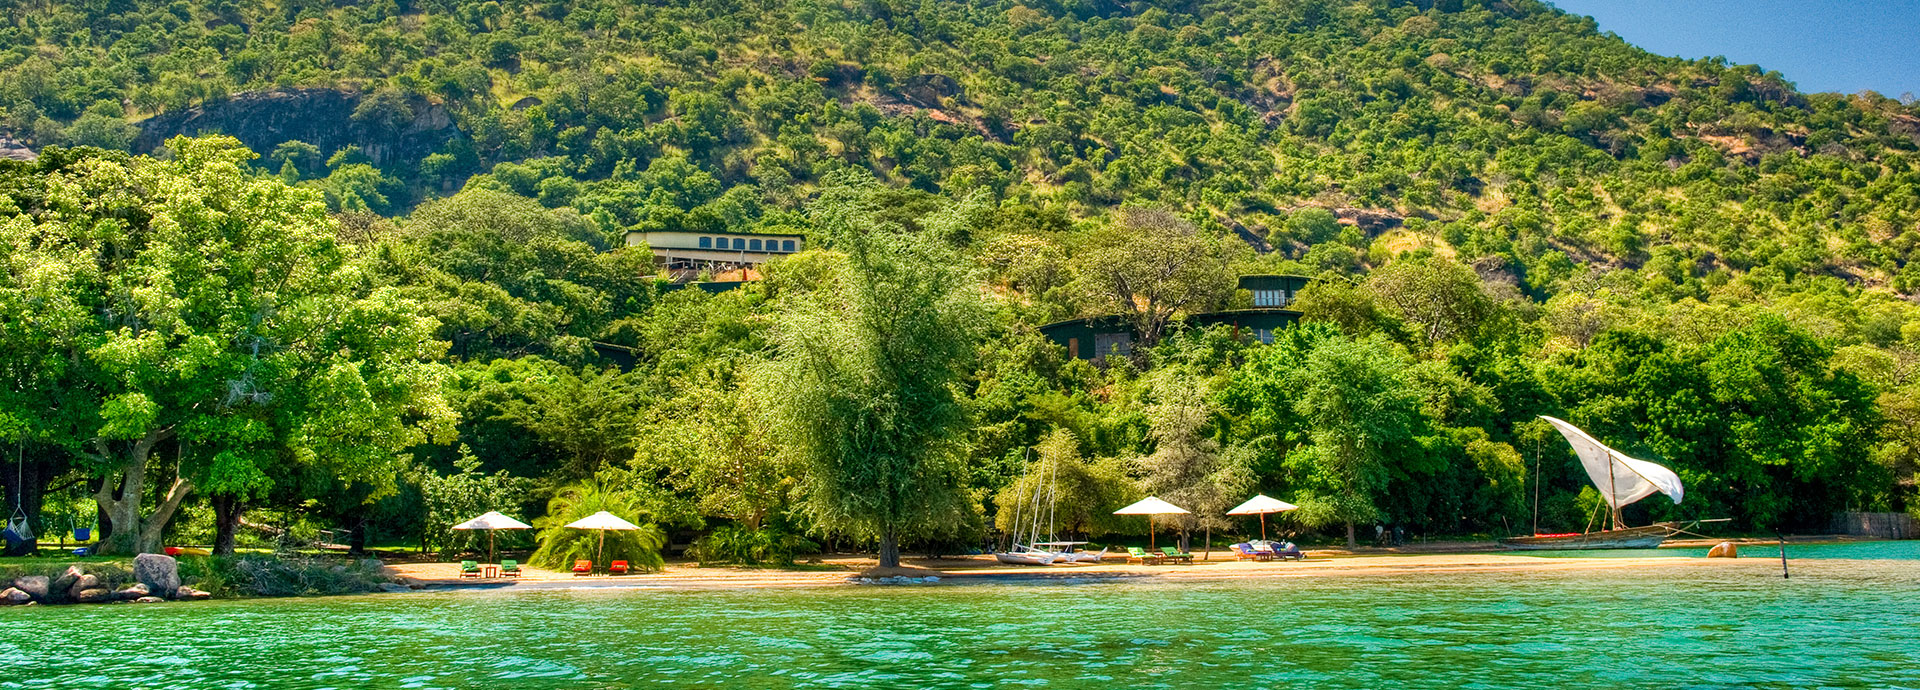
pixel 1897 550
pixel 1837 623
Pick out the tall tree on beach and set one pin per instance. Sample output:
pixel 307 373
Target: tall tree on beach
pixel 218 331
pixel 864 387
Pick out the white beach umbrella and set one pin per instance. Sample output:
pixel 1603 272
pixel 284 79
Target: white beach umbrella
pixel 602 521
pixel 491 521
pixel 1151 506
pixel 1261 505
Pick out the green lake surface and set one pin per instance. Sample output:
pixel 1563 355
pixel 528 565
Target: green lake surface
pixel 1848 618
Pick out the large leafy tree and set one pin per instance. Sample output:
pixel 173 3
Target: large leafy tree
pixel 213 330
pixel 1150 266
pixel 865 383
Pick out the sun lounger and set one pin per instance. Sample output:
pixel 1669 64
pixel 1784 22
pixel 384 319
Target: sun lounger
pixel 1136 554
pixel 1280 550
pixel 582 567
pixel 469 569
pixel 509 567
pixel 1244 551
pixel 1176 554
pixel 618 568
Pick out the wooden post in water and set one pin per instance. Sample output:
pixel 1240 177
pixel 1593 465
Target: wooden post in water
pixel 1783 558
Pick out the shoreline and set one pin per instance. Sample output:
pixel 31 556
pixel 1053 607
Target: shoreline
pixel 977 570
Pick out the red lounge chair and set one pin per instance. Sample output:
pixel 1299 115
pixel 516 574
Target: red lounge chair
pixel 582 567
pixel 618 568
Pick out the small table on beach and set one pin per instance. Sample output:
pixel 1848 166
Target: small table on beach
pixel 489 571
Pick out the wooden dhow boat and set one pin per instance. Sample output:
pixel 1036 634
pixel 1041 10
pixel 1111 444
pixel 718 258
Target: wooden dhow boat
pixel 1621 480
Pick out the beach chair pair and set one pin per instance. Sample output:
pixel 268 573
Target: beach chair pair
pixel 1173 554
pixel 1139 555
pixel 508 568
pixel 1246 552
pixel 585 567
pixel 1284 551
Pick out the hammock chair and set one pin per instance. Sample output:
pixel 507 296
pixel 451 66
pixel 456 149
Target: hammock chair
pixel 17 531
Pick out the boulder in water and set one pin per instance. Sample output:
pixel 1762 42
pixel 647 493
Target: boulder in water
pixel 13 597
pixel 159 572
pixel 1724 549
pixel 149 600
pixel 190 594
pixel 64 582
pixel 95 595
pixel 133 591
pixel 35 586
pixel 87 581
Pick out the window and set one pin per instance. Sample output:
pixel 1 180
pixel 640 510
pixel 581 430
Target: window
pixel 739 243
pixel 1264 334
pixel 753 245
pixel 786 245
pixel 706 243
pixel 1269 298
pixel 1105 344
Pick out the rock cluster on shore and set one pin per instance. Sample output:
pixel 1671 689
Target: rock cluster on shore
pixel 157 579
pixel 895 580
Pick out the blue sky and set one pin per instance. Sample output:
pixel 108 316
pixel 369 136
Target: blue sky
pixel 1820 45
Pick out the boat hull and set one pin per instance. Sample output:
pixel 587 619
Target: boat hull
pixel 1023 559
pixel 1649 537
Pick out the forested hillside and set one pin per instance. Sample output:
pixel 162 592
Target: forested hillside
pixel 1509 213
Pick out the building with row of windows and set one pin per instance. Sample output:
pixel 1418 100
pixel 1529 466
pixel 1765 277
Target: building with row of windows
pixel 1097 337
pixel 685 254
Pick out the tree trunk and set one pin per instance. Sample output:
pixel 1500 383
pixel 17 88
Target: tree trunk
pixel 120 496
pixel 226 521
pixel 1350 541
pixel 357 542
pixel 889 549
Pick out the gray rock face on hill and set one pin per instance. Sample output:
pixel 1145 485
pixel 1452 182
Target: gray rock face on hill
pixel 159 572
pixel 327 118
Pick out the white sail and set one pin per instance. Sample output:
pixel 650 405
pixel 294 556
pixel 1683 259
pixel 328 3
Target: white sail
pixel 1620 479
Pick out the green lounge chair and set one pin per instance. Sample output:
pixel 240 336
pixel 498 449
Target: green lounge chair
pixel 1176 554
pixel 1135 553
pixel 469 569
pixel 509 567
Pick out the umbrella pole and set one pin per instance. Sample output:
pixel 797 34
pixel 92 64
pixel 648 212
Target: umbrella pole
pixel 1150 546
pixel 490 547
pixel 1263 527
pixel 602 552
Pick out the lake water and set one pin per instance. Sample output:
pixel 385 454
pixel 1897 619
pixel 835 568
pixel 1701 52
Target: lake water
pixel 1840 622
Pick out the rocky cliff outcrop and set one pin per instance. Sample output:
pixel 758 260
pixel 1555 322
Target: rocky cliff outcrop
pixel 404 130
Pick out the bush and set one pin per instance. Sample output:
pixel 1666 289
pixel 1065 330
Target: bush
pixel 738 544
pixel 277 576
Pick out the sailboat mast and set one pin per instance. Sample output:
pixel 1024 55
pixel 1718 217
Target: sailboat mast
pixel 1053 499
pixel 1536 488
pixel 1613 496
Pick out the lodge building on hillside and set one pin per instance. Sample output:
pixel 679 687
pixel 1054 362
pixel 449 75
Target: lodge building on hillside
pixel 684 255
pixel 1094 338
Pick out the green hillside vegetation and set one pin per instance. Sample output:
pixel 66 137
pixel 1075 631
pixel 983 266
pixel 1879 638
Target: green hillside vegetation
pixel 1509 214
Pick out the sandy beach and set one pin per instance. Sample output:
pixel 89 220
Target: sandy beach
pixel 970 569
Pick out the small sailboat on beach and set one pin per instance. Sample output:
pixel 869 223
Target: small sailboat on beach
pixel 1621 481
pixel 1036 552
